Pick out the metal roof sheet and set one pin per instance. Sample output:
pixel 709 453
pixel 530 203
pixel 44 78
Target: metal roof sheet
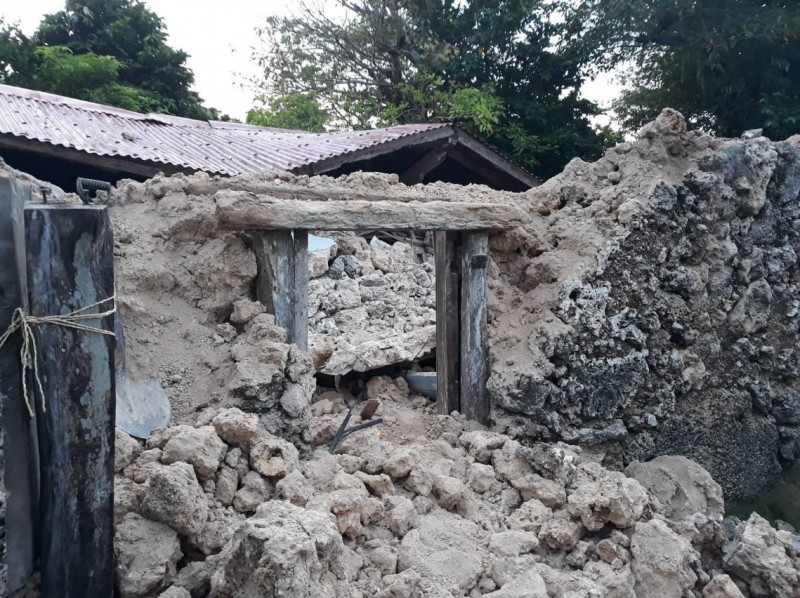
pixel 214 147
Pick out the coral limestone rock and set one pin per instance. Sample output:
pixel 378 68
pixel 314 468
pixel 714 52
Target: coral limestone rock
pixel 662 561
pixel 283 550
pixel 199 447
pixel 681 486
pixel 759 557
pixel 147 553
pixel 611 498
pixel 174 497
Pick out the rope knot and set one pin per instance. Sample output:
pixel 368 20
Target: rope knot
pixel 28 353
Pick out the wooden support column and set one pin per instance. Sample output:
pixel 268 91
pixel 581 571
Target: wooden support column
pixel 474 354
pixel 448 347
pixel 70 266
pixel 19 428
pixel 282 282
pixel 299 333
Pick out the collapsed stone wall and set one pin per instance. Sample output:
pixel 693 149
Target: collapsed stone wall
pixel 432 507
pixel 614 317
pixel 618 313
pixel 371 304
pixel 183 292
pixel 658 291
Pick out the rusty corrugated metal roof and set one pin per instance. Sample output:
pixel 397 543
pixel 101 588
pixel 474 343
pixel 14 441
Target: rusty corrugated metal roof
pixel 144 144
pixel 214 147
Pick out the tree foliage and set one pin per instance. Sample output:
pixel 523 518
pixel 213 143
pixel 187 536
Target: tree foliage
pixel 728 65
pixel 16 52
pixel 298 111
pixel 108 51
pixel 501 68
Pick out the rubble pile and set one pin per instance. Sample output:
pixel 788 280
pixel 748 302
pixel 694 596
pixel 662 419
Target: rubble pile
pixel 424 506
pixel 183 291
pixel 616 314
pixel 651 306
pixel 371 304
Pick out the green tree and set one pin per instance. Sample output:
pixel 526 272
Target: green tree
pixel 16 52
pixel 501 68
pixel 728 65
pixel 299 111
pixel 88 75
pixel 113 51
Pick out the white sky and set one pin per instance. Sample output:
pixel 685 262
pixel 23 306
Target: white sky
pixel 218 36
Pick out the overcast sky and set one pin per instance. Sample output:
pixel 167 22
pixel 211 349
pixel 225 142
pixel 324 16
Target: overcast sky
pixel 218 36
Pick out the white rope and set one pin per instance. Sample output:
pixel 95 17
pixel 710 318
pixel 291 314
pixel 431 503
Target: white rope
pixel 28 353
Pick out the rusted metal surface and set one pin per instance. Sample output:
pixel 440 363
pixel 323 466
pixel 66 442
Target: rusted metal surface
pixel 369 409
pixel 145 144
pixel 214 147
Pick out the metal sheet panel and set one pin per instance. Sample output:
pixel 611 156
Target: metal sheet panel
pixel 217 148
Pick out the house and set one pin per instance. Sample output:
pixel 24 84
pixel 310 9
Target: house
pixel 57 139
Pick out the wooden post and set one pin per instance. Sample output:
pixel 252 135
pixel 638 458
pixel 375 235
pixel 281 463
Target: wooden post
pixel 21 473
pixel 474 355
pixel 70 266
pixel 264 277
pixel 282 281
pixel 299 324
pixel 447 323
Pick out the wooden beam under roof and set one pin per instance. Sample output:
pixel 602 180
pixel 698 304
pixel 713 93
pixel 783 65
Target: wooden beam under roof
pixel 113 163
pixel 420 169
pixel 488 155
pixel 380 149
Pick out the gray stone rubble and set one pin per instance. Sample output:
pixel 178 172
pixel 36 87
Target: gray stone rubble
pixel 649 306
pixel 373 306
pixel 432 506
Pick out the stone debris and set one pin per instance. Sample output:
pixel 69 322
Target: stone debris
pixel 764 559
pixel 661 561
pixel 175 497
pixel 183 290
pixel 681 487
pixel 647 308
pixel 282 550
pixel 200 447
pixel 126 450
pixel 375 306
pixel 147 555
pixel 722 586
pixel 409 510
pixel 176 592
pixel 607 497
